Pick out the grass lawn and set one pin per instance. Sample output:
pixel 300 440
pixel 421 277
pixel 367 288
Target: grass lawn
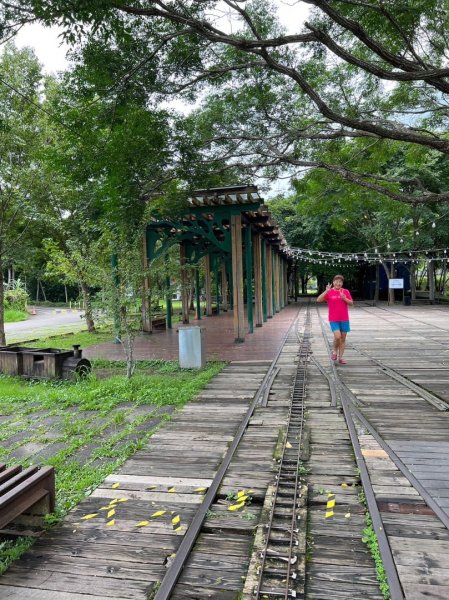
pixel 12 316
pixel 67 340
pixel 87 429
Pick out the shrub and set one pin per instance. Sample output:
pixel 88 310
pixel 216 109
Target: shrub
pixel 16 296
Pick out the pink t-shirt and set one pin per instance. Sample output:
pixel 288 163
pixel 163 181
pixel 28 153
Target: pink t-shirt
pixel 338 309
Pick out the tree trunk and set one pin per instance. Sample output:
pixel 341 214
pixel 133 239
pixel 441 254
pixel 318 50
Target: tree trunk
pixel 390 290
pixel 88 307
pixel 413 281
pixel 192 296
pixel 2 307
pixel 431 280
pixel 37 290
pixel 128 343
pixel 43 292
pixel 376 289
pixel 66 296
pixel 390 274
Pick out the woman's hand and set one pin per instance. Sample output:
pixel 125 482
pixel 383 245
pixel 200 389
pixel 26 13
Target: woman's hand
pixel 328 287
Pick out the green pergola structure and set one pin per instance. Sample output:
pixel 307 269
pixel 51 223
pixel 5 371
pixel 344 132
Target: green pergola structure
pixel 231 231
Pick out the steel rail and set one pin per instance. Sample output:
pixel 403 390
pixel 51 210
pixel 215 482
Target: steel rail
pixel 429 500
pixel 378 526
pixel 174 571
pixel 433 399
pixel 258 591
pixel 266 393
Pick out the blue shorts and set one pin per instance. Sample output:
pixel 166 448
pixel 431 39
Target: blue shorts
pixel 340 326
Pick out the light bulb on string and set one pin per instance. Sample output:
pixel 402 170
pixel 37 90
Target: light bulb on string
pixel 433 225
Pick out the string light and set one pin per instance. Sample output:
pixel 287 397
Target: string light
pixel 330 258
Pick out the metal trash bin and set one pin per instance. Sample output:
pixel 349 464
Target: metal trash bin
pixel 192 351
pixel 407 300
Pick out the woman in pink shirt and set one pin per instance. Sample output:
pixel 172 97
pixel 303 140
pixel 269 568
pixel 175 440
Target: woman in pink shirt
pixel 338 299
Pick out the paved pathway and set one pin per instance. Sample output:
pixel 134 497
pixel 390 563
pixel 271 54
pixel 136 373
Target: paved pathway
pixel 47 321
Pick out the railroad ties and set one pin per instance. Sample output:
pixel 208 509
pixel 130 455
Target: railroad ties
pixel 279 554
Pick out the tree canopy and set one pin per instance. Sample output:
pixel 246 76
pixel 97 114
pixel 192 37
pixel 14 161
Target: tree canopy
pixel 362 72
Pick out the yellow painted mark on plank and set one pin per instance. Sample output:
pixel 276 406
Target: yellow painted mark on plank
pixel 87 517
pixel 111 513
pixel 159 513
pixel 236 506
pixel 329 506
pixel 110 523
pixel 142 523
pixel 114 486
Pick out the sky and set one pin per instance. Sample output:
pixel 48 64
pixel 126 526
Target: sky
pixel 48 47
pixel 51 51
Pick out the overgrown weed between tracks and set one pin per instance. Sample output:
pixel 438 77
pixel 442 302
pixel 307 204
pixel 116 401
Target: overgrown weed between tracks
pixel 370 539
pixel 87 429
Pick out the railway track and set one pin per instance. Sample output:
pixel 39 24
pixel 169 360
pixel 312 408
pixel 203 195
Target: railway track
pixel 277 577
pixel 279 553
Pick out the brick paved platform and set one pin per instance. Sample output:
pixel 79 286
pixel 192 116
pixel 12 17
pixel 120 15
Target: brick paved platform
pixel 260 345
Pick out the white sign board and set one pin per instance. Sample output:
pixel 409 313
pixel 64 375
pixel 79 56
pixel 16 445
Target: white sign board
pixel 396 284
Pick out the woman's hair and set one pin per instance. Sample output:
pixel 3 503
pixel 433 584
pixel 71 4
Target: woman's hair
pixel 338 277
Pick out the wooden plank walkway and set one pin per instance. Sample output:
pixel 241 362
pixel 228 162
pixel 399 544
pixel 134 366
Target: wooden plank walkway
pixel 122 551
pixel 415 344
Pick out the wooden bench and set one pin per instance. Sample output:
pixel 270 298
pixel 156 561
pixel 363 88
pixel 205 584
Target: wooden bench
pixel 159 323
pixel 30 491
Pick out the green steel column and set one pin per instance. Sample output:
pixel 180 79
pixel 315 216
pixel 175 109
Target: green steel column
pixel 198 296
pixel 230 285
pixel 115 283
pixel 296 281
pixel 168 302
pixel 273 282
pixel 217 283
pixel 264 280
pixel 249 278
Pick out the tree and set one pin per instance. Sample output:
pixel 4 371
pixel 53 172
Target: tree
pixel 21 188
pixel 327 80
